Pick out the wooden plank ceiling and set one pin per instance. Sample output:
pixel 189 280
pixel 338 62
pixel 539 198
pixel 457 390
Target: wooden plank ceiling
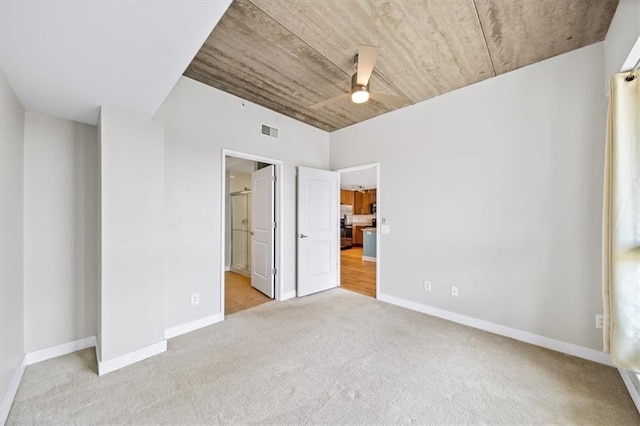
pixel 287 54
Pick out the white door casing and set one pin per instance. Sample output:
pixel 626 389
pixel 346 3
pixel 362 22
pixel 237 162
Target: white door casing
pixel 318 231
pixel 262 247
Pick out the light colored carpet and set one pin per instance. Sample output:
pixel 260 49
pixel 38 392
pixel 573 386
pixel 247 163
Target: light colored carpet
pixel 335 357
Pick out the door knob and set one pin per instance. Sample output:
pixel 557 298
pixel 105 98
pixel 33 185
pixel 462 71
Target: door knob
pixel 303 236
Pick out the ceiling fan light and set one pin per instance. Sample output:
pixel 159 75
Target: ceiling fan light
pixel 360 96
pixel 359 92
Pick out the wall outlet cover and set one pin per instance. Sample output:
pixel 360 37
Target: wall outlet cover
pixel 195 299
pixel 599 321
pixel 427 285
pixel 454 291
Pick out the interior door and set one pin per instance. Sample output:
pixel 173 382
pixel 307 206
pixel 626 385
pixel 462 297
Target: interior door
pixel 318 231
pixel 262 247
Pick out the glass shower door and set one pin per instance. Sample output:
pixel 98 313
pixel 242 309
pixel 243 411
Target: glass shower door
pixel 240 233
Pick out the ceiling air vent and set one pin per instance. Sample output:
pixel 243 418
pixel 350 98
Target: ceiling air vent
pixel 269 131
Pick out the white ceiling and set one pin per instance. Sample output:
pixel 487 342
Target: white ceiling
pixel 240 165
pixel 68 58
pixel 364 177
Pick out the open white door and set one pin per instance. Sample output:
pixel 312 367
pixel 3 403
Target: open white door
pixel 317 230
pixel 263 212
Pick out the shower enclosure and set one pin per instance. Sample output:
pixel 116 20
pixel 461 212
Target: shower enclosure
pixel 241 231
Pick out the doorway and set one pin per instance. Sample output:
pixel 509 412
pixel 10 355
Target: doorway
pixel 359 231
pixel 250 244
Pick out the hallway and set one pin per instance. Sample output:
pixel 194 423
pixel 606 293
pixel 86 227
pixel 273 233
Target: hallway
pixel 357 275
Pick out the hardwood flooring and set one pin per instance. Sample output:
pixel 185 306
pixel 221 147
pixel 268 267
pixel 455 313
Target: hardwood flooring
pixel 239 295
pixel 356 274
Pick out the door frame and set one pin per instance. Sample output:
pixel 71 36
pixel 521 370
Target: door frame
pixel 278 234
pixel 378 215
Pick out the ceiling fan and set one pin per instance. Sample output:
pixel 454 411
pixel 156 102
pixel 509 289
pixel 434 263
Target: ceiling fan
pixel 360 93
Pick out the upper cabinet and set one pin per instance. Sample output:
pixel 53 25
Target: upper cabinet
pixel 361 201
pixel 346 197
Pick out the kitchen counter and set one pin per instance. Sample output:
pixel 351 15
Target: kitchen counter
pixel 369 251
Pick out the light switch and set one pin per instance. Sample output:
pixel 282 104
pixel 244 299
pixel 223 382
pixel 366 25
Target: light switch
pixel 386 229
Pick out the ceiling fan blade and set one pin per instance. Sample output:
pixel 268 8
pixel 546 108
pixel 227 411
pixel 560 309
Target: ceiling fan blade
pixel 328 101
pixel 367 57
pixel 391 100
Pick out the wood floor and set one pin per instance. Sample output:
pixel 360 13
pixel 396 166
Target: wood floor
pixel 239 295
pixel 356 274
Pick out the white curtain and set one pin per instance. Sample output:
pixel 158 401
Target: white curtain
pixel 621 224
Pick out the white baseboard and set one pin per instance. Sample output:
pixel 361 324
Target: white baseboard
pixel 119 362
pixel 227 268
pixel 631 387
pixel 240 271
pixel 288 295
pixel 64 349
pixel 7 401
pixel 523 336
pixel 369 258
pixel 192 326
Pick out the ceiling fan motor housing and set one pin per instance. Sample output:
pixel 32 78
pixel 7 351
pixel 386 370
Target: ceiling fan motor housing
pixel 359 91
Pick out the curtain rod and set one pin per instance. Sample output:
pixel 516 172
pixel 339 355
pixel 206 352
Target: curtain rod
pixel 630 76
pixel 242 192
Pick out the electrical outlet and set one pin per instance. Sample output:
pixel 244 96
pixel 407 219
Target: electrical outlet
pixel 195 299
pixel 454 291
pixel 599 321
pixel 427 285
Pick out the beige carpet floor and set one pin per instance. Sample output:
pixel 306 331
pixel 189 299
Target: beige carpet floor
pixel 335 357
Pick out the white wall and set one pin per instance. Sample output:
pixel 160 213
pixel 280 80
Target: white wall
pixel 99 240
pixel 239 182
pixel 11 243
pixel 623 33
pixel 496 188
pixel 60 231
pixel 199 122
pixel 132 287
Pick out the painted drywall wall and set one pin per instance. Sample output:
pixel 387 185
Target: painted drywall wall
pixel 132 288
pixel 11 243
pixel 239 181
pixel 99 242
pixel 199 122
pixel 623 33
pixel 496 188
pixel 60 231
